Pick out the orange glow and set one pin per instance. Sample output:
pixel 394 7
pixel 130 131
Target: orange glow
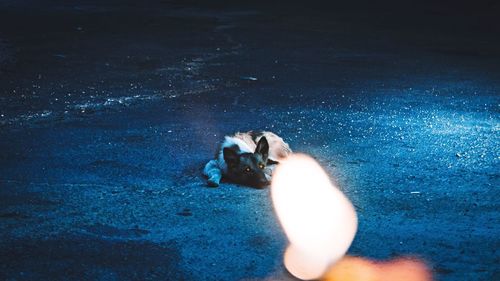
pixel 359 269
pixel 319 221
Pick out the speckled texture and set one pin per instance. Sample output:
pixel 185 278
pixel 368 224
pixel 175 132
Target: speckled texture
pixel 108 114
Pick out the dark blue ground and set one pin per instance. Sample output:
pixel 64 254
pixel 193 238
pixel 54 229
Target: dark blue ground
pixel 108 113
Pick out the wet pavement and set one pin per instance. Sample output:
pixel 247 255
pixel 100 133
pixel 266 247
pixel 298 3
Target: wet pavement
pixel 109 112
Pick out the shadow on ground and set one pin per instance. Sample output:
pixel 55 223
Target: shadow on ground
pixel 72 257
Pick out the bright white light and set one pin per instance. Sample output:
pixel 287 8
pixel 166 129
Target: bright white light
pixel 318 219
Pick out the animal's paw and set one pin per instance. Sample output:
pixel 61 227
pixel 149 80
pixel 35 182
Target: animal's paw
pixel 213 182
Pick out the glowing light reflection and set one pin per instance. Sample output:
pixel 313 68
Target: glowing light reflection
pixel 319 221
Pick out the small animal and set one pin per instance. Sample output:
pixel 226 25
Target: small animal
pixel 247 158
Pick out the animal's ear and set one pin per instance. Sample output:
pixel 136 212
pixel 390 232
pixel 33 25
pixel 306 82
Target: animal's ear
pixel 262 148
pixel 272 162
pixel 231 156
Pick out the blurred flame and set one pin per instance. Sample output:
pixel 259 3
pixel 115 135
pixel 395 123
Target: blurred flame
pixel 318 219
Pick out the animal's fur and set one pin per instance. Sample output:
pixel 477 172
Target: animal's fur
pixel 245 150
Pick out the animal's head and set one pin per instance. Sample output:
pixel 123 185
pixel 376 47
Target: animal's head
pixel 248 168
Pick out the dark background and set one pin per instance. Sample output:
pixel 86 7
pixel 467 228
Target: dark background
pixel 109 110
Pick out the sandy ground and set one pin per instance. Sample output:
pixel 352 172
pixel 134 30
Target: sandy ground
pixel 108 113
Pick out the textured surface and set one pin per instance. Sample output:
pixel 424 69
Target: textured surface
pixel 108 113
